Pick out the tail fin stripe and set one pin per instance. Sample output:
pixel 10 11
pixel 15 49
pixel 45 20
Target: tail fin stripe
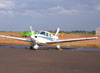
pixel 57 33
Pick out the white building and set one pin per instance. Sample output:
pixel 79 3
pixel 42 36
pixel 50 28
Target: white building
pixel 98 31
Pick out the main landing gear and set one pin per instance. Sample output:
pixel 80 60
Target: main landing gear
pixel 58 47
pixel 35 47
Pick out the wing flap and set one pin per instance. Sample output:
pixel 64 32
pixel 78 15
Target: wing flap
pixel 72 40
pixel 16 38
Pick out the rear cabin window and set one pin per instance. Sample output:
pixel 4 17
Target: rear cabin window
pixel 46 34
pixel 49 35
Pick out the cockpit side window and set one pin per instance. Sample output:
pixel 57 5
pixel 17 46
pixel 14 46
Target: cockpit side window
pixel 49 35
pixel 46 34
pixel 43 33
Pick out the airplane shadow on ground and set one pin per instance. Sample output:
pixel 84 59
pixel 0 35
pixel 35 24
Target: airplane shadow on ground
pixel 40 48
pixel 53 48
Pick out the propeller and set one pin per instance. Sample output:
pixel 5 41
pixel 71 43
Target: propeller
pixel 32 37
pixel 31 30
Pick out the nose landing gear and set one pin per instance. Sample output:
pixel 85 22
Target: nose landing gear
pixel 34 47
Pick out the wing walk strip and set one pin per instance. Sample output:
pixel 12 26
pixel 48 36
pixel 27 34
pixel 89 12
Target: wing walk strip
pixel 72 40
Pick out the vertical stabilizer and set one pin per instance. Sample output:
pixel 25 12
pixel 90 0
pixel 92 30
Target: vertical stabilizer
pixel 57 33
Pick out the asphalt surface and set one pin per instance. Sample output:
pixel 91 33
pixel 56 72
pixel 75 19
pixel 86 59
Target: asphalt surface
pixel 21 60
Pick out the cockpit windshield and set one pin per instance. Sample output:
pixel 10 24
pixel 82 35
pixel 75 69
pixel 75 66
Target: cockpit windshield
pixel 45 33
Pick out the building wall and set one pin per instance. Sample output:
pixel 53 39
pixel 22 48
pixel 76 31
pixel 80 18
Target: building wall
pixel 98 32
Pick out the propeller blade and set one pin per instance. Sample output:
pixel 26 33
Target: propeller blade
pixel 31 30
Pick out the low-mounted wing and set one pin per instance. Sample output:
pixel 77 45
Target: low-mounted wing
pixel 72 40
pixel 16 38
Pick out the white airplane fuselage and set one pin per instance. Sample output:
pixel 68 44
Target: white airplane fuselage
pixel 41 38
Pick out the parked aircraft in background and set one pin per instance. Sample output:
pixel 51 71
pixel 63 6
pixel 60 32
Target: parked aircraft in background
pixel 45 37
pixel 27 34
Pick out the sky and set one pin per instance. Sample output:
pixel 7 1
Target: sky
pixel 68 15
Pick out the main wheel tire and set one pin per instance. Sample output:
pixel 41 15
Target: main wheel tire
pixel 31 48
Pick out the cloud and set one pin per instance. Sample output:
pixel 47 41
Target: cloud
pixel 34 7
pixel 7 5
pixel 2 12
pixel 49 11
pixel 45 7
pixel 23 5
pixel 9 12
pixel 61 10
pixel 30 13
pixel 98 7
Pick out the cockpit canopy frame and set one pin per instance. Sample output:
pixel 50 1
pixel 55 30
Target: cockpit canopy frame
pixel 45 33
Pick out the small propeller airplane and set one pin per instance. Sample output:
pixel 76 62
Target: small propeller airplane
pixel 45 37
